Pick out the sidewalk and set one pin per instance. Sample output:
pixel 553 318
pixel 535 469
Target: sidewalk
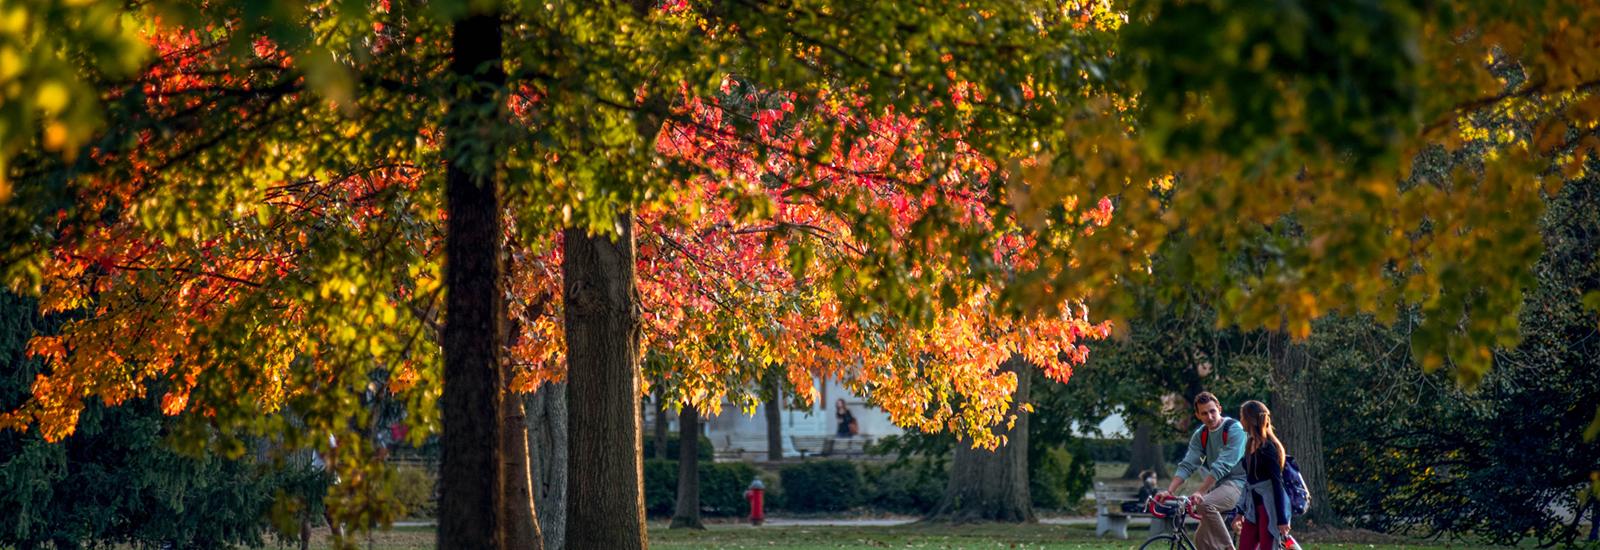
pixel 826 522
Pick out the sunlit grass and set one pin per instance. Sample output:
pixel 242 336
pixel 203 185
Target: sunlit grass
pixel 735 536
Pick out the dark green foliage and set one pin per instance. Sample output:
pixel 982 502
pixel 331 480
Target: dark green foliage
pixel 660 486
pixel 1058 478
pixel 722 487
pixel 1410 450
pixel 415 489
pixel 704 450
pixel 821 486
pixel 1355 63
pixel 911 486
pixel 115 481
pixel 1120 449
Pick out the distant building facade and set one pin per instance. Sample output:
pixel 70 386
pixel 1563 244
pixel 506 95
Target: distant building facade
pixel 739 436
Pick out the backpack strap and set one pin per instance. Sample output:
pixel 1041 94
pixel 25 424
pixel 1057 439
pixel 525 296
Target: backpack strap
pixel 1226 422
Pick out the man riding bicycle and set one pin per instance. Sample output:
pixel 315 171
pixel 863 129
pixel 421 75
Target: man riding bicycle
pixel 1215 451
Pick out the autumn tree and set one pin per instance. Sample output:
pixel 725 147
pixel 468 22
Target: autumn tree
pixel 1189 108
pixel 1301 121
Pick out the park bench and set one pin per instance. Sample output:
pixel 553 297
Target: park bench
pixel 742 447
pixel 846 446
pixel 728 450
pixel 808 445
pixel 1109 517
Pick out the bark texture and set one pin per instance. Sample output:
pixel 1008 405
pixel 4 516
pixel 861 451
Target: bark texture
pixel 987 485
pixel 774 412
pixel 1146 454
pixel 1296 415
pixel 661 427
pixel 547 450
pixel 519 516
pixel 471 478
pixel 686 512
pixel 605 498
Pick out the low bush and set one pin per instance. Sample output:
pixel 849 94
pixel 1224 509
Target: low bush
pixel 1121 450
pixel 722 487
pixel 1059 478
pixel 1109 450
pixel 913 486
pixel 705 450
pixel 413 488
pixel 660 486
pixel 820 486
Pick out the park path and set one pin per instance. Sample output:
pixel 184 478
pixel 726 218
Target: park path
pixel 894 521
pixel 837 522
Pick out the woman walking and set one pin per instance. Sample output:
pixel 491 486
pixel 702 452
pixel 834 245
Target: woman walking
pixel 1266 502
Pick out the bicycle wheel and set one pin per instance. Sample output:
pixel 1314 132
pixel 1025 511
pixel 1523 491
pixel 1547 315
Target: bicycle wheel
pixel 1166 542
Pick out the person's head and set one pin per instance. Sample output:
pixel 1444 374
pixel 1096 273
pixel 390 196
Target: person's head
pixel 1208 410
pixel 1257 420
pixel 1148 477
pixel 839 405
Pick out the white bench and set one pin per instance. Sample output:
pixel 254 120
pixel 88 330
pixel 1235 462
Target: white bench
pixel 846 446
pixel 808 445
pixel 1109 517
pixel 1108 514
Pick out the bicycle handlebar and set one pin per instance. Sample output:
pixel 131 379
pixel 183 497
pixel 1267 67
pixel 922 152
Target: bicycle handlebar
pixel 1185 506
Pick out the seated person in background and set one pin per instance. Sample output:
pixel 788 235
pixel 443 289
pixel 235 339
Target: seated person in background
pixel 847 421
pixel 1147 489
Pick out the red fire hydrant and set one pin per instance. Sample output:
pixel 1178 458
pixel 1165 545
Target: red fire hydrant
pixel 755 494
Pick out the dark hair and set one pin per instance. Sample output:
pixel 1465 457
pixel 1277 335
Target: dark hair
pixel 1205 397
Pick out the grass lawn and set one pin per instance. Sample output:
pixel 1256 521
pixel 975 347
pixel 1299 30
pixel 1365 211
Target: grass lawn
pixel 738 536
pixel 1056 537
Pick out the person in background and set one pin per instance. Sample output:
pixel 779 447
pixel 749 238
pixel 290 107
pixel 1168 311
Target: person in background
pixel 1147 489
pixel 847 421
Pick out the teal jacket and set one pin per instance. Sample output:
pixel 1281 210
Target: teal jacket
pixel 1218 458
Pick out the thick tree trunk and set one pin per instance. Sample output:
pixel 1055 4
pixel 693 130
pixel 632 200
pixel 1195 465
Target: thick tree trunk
pixel 661 427
pixel 519 516
pixel 470 475
pixel 1146 454
pixel 547 450
pixel 774 410
pixel 605 497
pixel 988 485
pixel 1297 418
pixel 686 514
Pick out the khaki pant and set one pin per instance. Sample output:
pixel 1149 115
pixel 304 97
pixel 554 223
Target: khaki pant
pixel 1213 533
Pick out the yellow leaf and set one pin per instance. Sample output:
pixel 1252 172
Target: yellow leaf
pixel 51 97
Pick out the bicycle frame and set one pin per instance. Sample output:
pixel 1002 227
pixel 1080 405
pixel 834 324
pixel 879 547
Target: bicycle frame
pixel 1178 537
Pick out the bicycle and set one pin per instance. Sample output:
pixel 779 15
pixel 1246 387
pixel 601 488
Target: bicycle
pixel 1174 511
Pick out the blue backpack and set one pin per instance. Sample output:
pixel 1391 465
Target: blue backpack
pixel 1295 485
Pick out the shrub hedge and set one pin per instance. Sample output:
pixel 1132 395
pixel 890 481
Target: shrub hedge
pixel 1059 479
pixel 820 486
pixel 722 486
pixel 913 486
pixel 705 450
